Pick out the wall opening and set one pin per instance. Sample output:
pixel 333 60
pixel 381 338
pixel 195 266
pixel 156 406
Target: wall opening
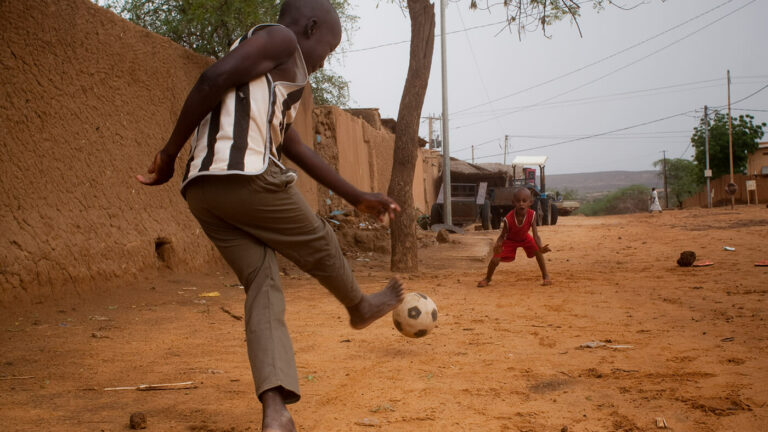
pixel 163 249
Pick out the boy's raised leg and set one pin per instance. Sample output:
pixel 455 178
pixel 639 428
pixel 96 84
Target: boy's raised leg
pixel 374 306
pixel 275 416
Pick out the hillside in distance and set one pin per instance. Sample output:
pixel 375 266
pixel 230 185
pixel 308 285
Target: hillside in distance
pixel 598 183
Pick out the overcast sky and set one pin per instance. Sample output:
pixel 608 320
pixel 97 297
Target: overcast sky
pixel 631 67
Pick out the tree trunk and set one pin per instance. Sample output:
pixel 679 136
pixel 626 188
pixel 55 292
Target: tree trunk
pixel 403 227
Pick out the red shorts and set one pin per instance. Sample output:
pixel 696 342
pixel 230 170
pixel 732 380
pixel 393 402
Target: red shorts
pixel 509 248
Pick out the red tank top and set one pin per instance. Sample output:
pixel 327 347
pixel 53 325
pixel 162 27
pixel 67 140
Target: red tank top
pixel 515 232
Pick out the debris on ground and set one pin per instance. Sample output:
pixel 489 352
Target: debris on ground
pixel 138 420
pixel 230 313
pixel 598 344
pixel 687 258
pixel 147 387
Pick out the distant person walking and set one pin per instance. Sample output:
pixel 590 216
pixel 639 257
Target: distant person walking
pixel 654 200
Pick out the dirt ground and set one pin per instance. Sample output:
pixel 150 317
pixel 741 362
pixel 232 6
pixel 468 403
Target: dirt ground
pixel 503 358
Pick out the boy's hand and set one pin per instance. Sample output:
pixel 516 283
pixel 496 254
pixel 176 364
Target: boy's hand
pixel 544 249
pixel 378 205
pixel 160 171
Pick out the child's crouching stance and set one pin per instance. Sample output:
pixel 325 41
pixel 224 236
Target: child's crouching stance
pixel 514 234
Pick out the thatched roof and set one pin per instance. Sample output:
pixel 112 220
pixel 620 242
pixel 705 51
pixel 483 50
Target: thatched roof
pixel 461 167
pixel 498 168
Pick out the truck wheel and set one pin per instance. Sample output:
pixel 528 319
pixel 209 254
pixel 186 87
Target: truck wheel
pixel 539 213
pixel 436 214
pixel 495 221
pixel 485 215
pixel 554 214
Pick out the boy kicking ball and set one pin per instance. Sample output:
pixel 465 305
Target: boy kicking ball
pixel 514 234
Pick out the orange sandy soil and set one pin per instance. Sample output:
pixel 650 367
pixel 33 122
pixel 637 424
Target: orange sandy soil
pixel 503 358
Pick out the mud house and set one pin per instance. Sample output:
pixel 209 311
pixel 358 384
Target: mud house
pixel 757 163
pixel 757 175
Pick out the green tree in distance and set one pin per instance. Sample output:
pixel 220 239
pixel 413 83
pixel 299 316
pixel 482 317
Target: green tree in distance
pixel 746 135
pixel 210 28
pixel 630 199
pixel 683 178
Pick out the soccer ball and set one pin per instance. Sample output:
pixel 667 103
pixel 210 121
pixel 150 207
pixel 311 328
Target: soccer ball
pixel 415 316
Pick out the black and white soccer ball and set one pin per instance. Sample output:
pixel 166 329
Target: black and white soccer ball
pixel 415 316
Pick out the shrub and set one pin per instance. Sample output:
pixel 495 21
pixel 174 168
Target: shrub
pixel 631 199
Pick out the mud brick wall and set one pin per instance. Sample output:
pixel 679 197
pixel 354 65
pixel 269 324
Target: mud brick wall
pixel 361 149
pixel 87 99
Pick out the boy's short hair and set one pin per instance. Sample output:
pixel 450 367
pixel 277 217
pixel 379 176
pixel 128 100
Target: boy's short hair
pixel 293 9
pixel 521 189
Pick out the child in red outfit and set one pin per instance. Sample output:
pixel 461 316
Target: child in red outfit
pixel 514 234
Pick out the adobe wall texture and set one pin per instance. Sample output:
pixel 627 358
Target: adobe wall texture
pixel 87 99
pixel 361 149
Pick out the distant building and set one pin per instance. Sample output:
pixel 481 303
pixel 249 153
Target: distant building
pixel 757 162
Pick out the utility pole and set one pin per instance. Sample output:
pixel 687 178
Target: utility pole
pixel 506 143
pixel 666 194
pixel 473 154
pixel 430 119
pixel 707 171
pixel 730 136
pixel 447 219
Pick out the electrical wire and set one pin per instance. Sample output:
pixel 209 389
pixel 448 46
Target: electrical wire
pixel 611 96
pixel 591 136
pixel 408 41
pixel 477 66
pixel 602 59
pixel 615 70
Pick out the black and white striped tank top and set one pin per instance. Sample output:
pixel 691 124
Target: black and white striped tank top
pixel 246 129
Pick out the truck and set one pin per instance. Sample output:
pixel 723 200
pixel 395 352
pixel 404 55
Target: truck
pixel 485 195
pixel 500 197
pixel 469 204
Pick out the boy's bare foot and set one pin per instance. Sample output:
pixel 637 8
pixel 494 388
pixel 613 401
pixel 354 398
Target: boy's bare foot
pixel 374 306
pixel 547 281
pixel 483 283
pixel 276 417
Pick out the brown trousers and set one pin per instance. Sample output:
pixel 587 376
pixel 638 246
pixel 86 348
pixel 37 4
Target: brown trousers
pixel 249 218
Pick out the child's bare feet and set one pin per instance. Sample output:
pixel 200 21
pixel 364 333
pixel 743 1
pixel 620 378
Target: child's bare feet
pixel 483 283
pixel 546 281
pixel 374 306
pixel 276 417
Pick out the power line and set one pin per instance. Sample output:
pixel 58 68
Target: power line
pixel 603 98
pixel 600 60
pixel 616 137
pixel 750 109
pixel 477 66
pixel 686 150
pixel 591 136
pixel 616 70
pixel 747 97
pixel 407 41
pixel 475 145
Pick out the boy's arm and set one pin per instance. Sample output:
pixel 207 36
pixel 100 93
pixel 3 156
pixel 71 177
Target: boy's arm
pixel 259 54
pixel 502 235
pixel 372 203
pixel 543 249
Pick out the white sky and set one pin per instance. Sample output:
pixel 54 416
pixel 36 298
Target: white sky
pixel 687 72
